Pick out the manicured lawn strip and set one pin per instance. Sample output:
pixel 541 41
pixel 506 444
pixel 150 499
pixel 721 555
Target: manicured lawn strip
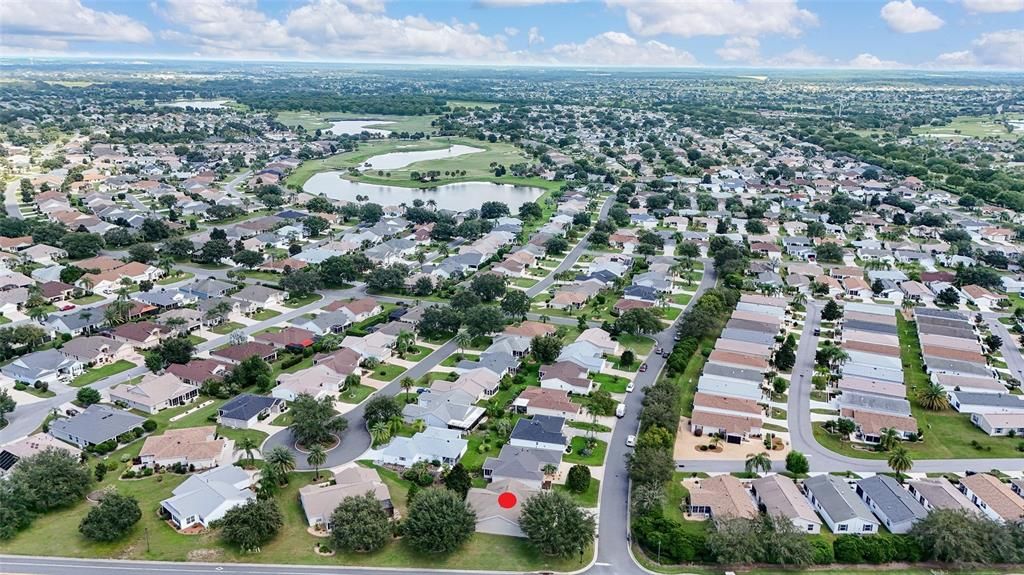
pixel 587 426
pixel 455 358
pixel 595 458
pixel 4 320
pixel 97 373
pixel 387 372
pixel 265 314
pixel 682 298
pixel 687 381
pixel 421 352
pixel 355 393
pixel 87 299
pixel 296 303
pixel 39 392
pixel 640 346
pixel 611 383
pixel 262 276
pixel 196 339
pixel 226 327
pixel 306 362
pixel 178 277
pixel 586 499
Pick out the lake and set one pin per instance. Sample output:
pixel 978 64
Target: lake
pixel 198 104
pixel 341 127
pixel 396 160
pixel 458 197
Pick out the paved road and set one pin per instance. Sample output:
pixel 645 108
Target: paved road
pixel 571 258
pixel 1011 354
pixel 822 459
pixel 11 194
pixel 356 439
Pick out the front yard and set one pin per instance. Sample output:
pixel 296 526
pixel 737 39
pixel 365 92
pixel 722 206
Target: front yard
pixel 95 374
pixel 355 393
pixel 386 372
pixel 226 327
pixel 297 302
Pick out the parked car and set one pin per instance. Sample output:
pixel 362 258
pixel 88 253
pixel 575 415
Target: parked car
pixel 643 367
pixel 620 410
pixel 817 331
pixel 665 354
pixel 67 307
pixel 630 387
pixel 630 441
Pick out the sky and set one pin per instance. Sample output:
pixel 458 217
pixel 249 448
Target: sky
pixel 859 34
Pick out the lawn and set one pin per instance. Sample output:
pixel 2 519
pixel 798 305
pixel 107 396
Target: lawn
pixel 87 299
pixel 587 426
pixel 297 302
pixel 196 339
pixel 639 345
pixel 4 320
pixel 266 314
pixel 417 353
pixel 355 393
pixel 387 372
pixel 947 434
pixel 596 457
pixel 152 539
pixel 615 361
pixel 586 499
pixel 226 327
pixel 175 278
pixel 38 392
pixel 97 373
pixel 682 298
pixel 455 358
pixel 611 383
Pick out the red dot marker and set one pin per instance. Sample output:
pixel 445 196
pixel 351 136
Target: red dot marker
pixel 507 500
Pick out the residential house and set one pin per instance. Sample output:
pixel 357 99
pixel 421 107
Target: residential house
pixel 15 451
pixel 206 497
pixel 939 493
pixel 522 464
pixel 96 424
pixel 995 498
pixel 245 409
pixel 433 444
pixel 155 393
pixel 192 447
pixel 551 402
pixel 198 371
pixel 721 496
pixel 839 506
pixel 894 506
pixel 240 352
pixel 566 376
pixel 779 496
pixel 495 518
pixel 48 365
pixel 448 409
pixel 539 432
pixel 318 381
pixel 140 335
pixel 320 501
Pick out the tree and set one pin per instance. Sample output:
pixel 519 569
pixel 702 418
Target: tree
pixel 638 321
pixel 80 245
pixel 957 536
pixel 493 210
pixel 889 439
pixel 764 539
pixel 993 342
pixel 439 521
pixel 248 258
pixel 556 246
pixel 381 409
pixel 578 479
pixel 52 479
pixel 948 296
pixel 831 311
pixel 16 513
pixel 302 283
pixel 251 525
pixel 314 422
pixel 143 253
pixel 424 286
pixel 458 480
pixel 900 460
pixel 370 213
pixel 933 397
pixel 627 358
pixel 845 426
pixel 112 519
pixel 488 286
pixel 515 304
pixel 317 456
pixel 87 396
pixel 555 525
pixel 758 462
pixel 439 322
pixel 7 405
pixel 315 225
pixel 650 465
pixel 176 350
pixel 530 211
pixel 785 358
pixel 282 461
pixel 360 524
pixel 484 320
pixel 248 445
pixel 214 251
pixel 796 462
pixel 546 348
pixel 387 279
pixel 252 371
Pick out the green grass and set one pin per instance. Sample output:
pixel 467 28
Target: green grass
pixel 586 499
pixel 87 299
pixel 196 339
pixel 175 278
pixel 595 458
pixel 968 126
pixel 387 372
pixel 611 383
pixel 269 277
pixel 355 393
pixel 588 426
pixel 455 358
pixel 278 370
pixel 418 353
pixel 313 121
pixel 640 346
pixel 266 314
pixel 97 373
pixel 226 327
pixel 682 298
pixel 296 303
pixel 39 392
pixel 4 320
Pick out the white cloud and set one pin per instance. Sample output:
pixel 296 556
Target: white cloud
pixel 54 24
pixel 520 3
pixel 511 31
pixel 620 49
pixel 999 49
pixel 990 6
pixel 904 17
pixel 740 49
pixel 719 18
pixel 867 61
pixel 533 36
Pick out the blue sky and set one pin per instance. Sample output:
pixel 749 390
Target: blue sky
pixel 760 33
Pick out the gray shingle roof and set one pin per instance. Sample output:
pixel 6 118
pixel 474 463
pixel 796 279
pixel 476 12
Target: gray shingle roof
pixel 896 503
pixel 97 423
pixel 837 499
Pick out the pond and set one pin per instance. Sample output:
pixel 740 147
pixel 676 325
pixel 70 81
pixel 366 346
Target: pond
pixel 341 127
pixel 457 197
pixel 198 104
pixel 396 160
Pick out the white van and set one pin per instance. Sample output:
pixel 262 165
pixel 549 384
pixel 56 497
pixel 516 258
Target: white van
pixel 620 411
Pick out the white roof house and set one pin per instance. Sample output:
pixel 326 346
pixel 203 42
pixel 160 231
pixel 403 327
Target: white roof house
pixel 206 497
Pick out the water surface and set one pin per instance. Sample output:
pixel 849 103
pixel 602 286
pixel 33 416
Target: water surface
pixel 458 197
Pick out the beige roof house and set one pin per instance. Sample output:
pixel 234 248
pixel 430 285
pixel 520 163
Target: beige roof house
pixel 721 496
pixel 491 516
pixel 155 392
pixel 600 338
pixel 480 383
pixel 780 496
pixel 197 446
pixel 15 451
pixel 319 501
pixel 994 497
pixel 318 381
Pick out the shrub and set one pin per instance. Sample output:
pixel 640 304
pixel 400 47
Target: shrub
pixel 149 426
pixel 823 553
pixel 578 479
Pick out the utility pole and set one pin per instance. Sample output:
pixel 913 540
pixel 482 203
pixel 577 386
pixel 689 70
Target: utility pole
pixel 147 539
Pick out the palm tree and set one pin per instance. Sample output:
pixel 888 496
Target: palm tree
pixel 900 462
pixel 282 461
pixel 462 340
pixel 37 313
pixel 758 461
pixel 380 433
pixel 889 439
pixel 407 384
pixel 933 397
pixel 800 298
pixel 317 457
pixel 249 447
pixel 549 469
pixel 86 283
pixel 419 426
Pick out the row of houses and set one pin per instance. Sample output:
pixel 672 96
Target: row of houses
pixel 871 383
pixel 730 395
